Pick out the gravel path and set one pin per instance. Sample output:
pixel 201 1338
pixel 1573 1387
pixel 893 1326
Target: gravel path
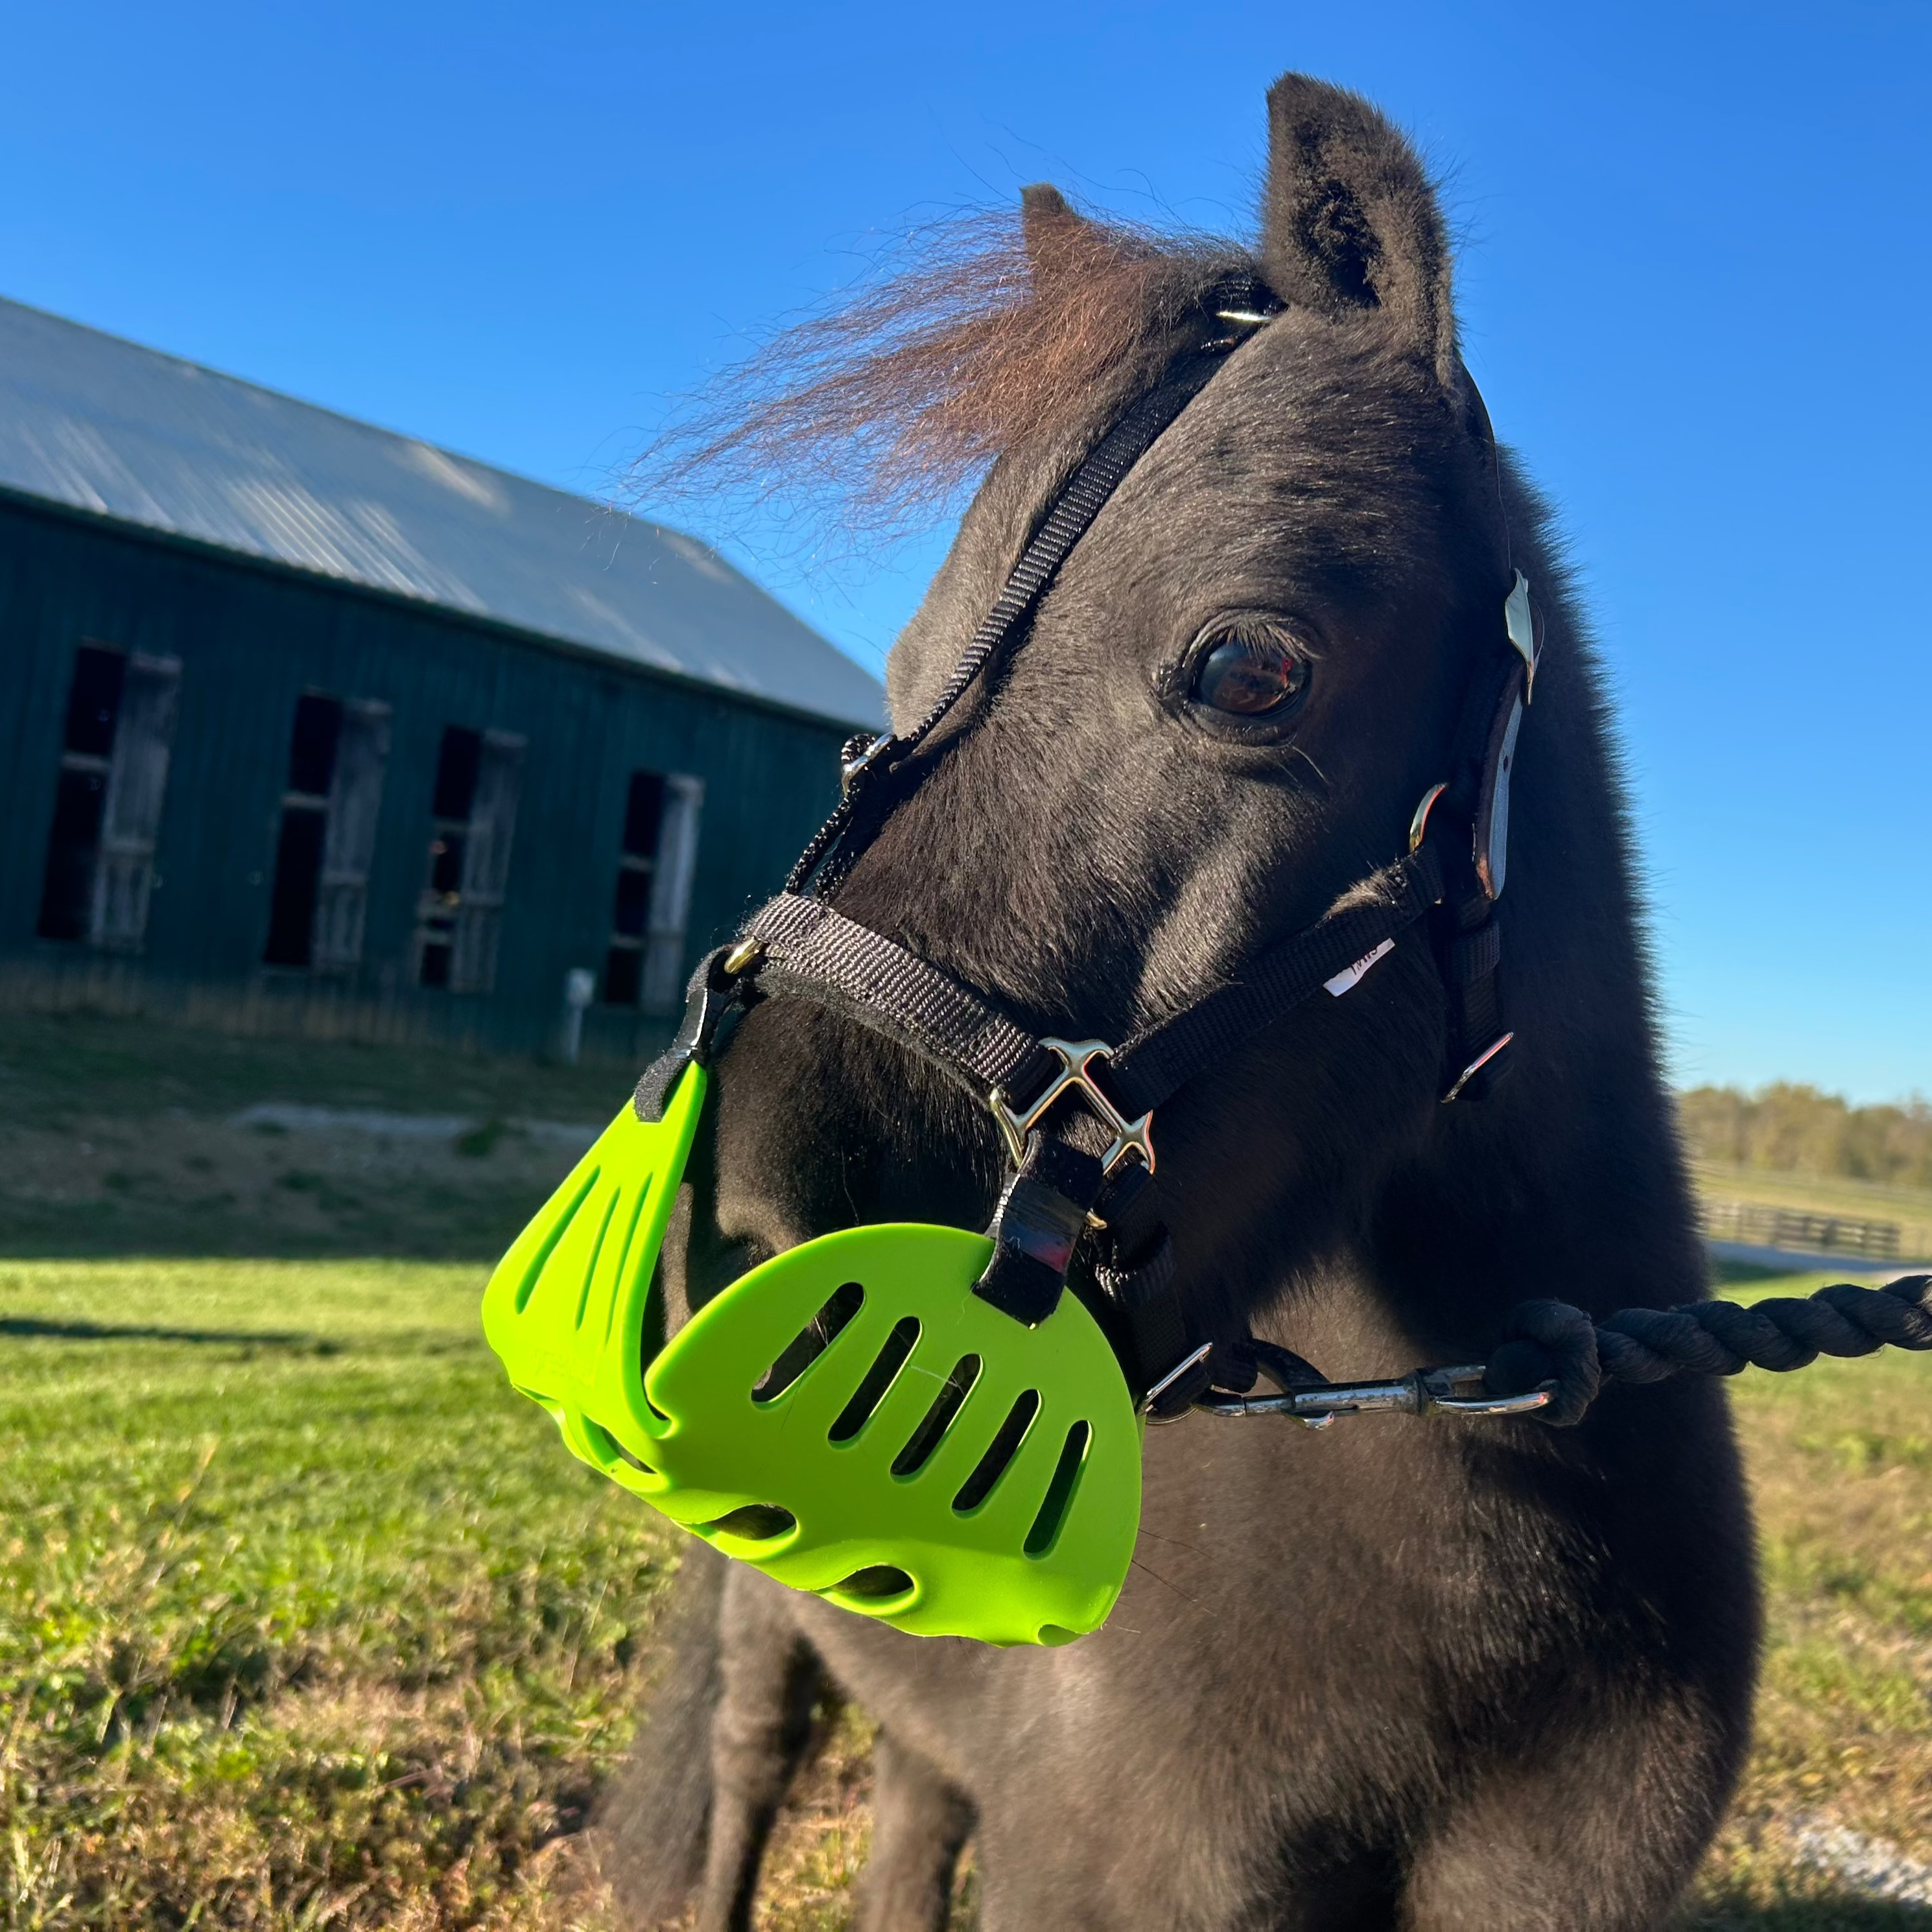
pixel 1867 1866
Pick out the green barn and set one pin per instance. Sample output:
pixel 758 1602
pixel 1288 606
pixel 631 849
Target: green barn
pixel 312 727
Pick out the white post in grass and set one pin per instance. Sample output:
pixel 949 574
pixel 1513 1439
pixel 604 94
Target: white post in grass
pixel 579 988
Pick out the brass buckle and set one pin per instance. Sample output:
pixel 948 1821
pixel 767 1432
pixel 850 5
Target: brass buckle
pixel 1076 1057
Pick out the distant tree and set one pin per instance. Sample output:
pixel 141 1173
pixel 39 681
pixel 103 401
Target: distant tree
pixel 1793 1129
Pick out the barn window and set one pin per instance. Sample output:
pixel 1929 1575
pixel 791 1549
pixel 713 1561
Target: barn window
pixel 120 728
pixel 472 821
pixel 338 751
pixel 644 966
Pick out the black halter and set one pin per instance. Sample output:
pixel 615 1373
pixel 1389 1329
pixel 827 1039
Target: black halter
pixel 1057 1196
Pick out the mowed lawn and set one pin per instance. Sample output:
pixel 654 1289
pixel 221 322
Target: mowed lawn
pixel 305 1621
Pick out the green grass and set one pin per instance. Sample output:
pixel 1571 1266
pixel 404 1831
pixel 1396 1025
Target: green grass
pixel 304 1620
pixel 1841 1461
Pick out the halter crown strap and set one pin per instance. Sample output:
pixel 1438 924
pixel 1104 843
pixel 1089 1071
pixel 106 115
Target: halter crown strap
pixel 1241 303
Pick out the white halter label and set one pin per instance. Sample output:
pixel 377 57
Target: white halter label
pixel 1351 976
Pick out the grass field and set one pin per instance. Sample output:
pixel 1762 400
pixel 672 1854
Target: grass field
pixel 304 1622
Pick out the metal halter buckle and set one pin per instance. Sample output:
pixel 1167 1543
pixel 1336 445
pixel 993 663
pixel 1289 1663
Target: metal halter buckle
pixel 857 756
pixel 1076 1057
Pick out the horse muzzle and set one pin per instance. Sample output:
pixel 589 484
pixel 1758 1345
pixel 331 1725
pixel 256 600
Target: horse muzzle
pixel 849 1417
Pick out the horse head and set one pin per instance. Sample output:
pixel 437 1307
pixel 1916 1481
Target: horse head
pixel 1221 719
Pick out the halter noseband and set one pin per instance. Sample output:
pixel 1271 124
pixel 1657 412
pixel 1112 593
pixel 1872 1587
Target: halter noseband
pixel 1057 1196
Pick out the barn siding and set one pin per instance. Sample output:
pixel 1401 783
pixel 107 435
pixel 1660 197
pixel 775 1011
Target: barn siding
pixel 250 639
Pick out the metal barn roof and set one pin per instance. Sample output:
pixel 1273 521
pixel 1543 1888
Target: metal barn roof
pixel 99 424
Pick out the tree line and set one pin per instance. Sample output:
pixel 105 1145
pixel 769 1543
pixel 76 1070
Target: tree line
pixel 1793 1129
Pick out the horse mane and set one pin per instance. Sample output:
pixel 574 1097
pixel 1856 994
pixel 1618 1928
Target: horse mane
pixel 990 330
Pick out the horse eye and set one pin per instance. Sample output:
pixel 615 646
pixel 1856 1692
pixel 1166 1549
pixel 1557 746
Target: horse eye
pixel 1250 677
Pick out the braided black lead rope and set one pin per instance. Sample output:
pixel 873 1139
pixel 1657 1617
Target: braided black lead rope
pixel 1549 1342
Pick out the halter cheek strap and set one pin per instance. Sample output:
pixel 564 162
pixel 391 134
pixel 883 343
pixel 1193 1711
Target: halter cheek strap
pixel 1058 1195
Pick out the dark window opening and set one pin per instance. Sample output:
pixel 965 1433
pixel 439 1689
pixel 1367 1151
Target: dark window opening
pixel 302 845
pixel 472 813
pixel 73 844
pixel 298 878
pixel 456 766
pixel 644 964
pixel 80 793
pixel 116 740
pixel 445 866
pixel 94 700
pixel 643 815
pixel 458 762
pixel 338 753
pixel 630 914
pixel 312 744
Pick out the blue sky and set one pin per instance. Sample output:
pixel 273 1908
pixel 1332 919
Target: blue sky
pixel 1694 284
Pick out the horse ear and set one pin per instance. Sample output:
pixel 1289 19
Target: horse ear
pixel 1045 219
pixel 1349 219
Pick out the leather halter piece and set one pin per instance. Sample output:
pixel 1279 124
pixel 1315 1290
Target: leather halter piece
pixel 1057 1198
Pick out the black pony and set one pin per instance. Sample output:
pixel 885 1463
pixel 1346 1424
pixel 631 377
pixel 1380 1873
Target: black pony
pixel 1429 1674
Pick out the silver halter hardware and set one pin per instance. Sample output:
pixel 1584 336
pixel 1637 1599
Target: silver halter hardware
pixel 1075 1057
pixel 1457 1391
pixel 1448 1391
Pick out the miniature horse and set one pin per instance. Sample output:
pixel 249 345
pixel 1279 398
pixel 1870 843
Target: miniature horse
pixel 1430 1674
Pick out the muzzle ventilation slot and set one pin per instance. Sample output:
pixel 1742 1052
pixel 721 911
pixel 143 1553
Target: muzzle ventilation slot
pixel 810 1342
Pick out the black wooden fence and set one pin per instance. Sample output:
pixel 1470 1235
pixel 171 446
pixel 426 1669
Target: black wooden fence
pixel 1761 1227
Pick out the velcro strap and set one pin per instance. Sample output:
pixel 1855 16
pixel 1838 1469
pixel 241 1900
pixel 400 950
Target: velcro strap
pixel 1035 1228
pixel 811 949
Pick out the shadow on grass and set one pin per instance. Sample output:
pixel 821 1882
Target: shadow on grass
pixel 437 1228
pixel 1809 1914
pixel 32 1326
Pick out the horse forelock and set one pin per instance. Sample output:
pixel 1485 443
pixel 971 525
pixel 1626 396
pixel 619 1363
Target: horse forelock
pixel 987 333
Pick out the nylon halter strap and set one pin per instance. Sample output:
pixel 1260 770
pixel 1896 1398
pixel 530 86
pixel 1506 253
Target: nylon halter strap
pixel 1058 1197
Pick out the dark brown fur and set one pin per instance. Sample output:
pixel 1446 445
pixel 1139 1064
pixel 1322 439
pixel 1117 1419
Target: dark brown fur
pixel 1423 1675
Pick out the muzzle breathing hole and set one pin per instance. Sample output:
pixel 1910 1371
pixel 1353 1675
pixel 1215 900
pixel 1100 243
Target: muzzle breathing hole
pixel 938 1419
pixel 601 1438
pixel 810 1342
pixel 540 1259
pixel 1059 1491
pixel 754 1522
pixel 878 1379
pixel 590 1267
pixel 876 1583
pixel 999 1453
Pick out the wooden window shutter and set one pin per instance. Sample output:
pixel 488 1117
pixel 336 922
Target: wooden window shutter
pixel 137 784
pixel 663 988
pixel 355 801
pixel 486 863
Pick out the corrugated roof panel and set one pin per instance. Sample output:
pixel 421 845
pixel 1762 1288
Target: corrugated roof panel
pixel 98 424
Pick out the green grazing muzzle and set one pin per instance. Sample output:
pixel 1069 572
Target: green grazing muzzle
pixel 849 1418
